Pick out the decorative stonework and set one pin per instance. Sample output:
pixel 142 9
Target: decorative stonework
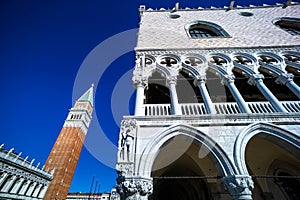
pixel 227 79
pixel 15 170
pixel 284 78
pixel 125 168
pixel 254 78
pixel 198 62
pixel 126 137
pixel 134 188
pixel 239 186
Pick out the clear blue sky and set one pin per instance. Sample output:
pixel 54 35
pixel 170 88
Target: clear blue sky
pixel 42 46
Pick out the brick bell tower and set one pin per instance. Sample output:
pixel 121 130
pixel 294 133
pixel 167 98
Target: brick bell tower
pixel 66 150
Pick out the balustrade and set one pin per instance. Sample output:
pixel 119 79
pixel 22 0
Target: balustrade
pixel 226 108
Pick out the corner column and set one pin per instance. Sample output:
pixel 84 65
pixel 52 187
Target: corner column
pixel 228 80
pixel 257 80
pixel 287 79
pixel 201 81
pixel 140 83
pixel 175 107
pixel 239 186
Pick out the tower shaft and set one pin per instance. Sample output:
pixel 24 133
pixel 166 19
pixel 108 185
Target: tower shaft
pixel 67 148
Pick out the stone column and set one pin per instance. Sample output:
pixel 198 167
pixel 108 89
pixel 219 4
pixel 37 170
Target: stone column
pixel 17 186
pixel 201 81
pixel 3 177
pixel 140 84
pixel 257 80
pixel 36 190
pixel 228 80
pixel 287 79
pixel 9 182
pixel 175 107
pixel 42 191
pixel 24 187
pixel 31 188
pixel 239 186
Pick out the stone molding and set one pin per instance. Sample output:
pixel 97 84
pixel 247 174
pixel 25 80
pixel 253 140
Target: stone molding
pixel 220 119
pixel 239 186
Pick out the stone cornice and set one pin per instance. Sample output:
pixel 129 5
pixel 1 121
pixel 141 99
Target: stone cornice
pixel 216 120
pixel 273 49
pixel 25 172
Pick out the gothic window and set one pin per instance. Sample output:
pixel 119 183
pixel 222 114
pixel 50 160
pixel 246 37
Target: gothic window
pixel 290 25
pixel 203 29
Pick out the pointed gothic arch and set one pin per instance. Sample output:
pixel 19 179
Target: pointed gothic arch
pixel 276 134
pixel 223 164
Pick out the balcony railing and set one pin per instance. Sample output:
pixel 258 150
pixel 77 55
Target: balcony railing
pixel 220 108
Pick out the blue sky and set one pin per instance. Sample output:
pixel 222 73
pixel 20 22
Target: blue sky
pixel 43 46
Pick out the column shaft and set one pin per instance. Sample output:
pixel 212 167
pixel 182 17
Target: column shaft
pixel 270 97
pixel 8 184
pixel 31 188
pixel 294 88
pixel 17 186
pixel 238 97
pixel 3 177
pixel 287 79
pixel 139 101
pixel 174 99
pixel 206 98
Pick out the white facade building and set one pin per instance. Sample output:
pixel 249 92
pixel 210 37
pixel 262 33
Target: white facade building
pixel 20 179
pixel 217 113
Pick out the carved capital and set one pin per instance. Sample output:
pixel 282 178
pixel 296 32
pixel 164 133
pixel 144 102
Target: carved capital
pixel 134 187
pixel 227 79
pixel 284 78
pixel 140 81
pixel 125 168
pixel 172 80
pixel 239 186
pixel 255 78
pixel 200 79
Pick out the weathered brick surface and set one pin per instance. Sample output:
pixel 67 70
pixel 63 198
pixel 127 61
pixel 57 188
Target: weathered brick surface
pixel 64 157
pixel 159 31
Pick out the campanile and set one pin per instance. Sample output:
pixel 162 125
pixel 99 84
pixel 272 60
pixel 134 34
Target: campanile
pixel 66 150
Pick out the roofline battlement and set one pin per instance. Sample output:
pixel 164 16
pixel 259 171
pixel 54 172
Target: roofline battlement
pixel 143 8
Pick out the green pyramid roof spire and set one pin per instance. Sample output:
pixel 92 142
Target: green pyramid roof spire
pixel 88 95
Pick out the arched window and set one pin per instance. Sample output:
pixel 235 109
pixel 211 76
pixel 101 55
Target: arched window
pixel 203 29
pixel 290 25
